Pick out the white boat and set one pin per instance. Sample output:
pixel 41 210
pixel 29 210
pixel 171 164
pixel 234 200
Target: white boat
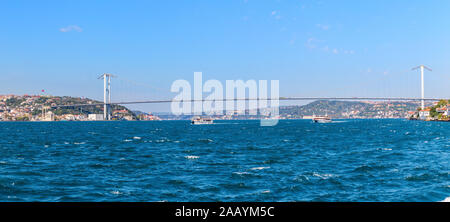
pixel 321 119
pixel 201 121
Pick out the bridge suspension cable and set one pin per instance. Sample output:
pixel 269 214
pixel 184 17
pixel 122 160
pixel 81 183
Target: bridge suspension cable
pixel 248 99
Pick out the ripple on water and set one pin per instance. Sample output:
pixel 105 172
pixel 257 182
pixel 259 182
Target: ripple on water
pixel 420 177
pixel 303 179
pixel 323 175
pixel 369 168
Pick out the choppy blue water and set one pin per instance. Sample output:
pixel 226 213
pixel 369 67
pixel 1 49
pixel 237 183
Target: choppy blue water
pixel 348 160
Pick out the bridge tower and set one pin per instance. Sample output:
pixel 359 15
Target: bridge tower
pixel 422 67
pixel 106 95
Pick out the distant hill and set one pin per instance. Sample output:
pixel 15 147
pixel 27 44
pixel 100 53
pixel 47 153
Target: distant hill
pixel 66 100
pixel 334 109
pixel 137 112
pixel 350 109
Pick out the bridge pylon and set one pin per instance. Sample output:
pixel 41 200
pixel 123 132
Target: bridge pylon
pixel 422 67
pixel 106 95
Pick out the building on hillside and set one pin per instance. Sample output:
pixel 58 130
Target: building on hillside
pixel 148 117
pixel 441 110
pixel 123 112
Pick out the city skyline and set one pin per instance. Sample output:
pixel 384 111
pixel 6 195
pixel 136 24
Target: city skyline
pixel 348 49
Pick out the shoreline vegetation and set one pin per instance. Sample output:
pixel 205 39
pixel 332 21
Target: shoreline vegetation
pixel 439 111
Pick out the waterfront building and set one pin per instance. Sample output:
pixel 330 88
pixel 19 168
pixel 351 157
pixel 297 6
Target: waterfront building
pixel 95 117
pixel 423 114
pixel 49 116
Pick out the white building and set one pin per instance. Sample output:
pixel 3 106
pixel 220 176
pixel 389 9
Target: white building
pixel 423 114
pixel 49 116
pixel 95 117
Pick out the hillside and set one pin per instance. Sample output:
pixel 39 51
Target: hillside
pixel 350 109
pixel 27 107
pixel 334 109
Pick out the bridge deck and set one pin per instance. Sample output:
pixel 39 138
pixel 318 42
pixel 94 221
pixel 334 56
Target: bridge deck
pixel 248 99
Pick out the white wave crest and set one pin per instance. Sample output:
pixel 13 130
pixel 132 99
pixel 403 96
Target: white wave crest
pixel 115 192
pixel 259 168
pixel 323 176
pixel 241 173
pixel 191 157
pixel 446 199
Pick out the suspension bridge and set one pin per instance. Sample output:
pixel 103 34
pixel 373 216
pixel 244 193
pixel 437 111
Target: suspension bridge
pixel 107 103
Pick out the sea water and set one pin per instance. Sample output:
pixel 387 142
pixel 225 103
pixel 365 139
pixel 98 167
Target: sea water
pixel 296 160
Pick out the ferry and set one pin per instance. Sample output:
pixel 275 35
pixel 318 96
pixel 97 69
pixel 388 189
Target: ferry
pixel 201 121
pixel 321 119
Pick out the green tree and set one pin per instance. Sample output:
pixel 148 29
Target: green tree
pixel 433 112
pixel 442 103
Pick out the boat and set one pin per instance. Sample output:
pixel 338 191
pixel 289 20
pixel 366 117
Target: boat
pixel 201 121
pixel 321 119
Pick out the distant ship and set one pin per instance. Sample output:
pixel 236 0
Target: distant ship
pixel 321 119
pixel 201 121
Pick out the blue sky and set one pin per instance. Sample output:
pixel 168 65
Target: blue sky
pixel 315 48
